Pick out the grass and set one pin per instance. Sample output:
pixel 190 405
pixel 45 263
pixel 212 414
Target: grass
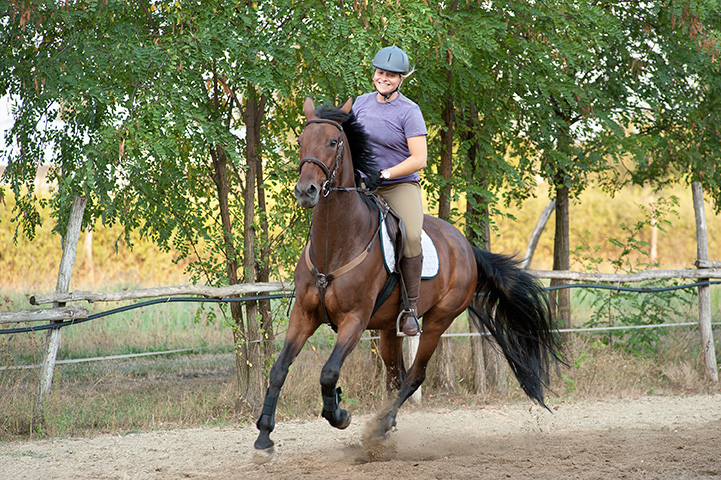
pixel 199 389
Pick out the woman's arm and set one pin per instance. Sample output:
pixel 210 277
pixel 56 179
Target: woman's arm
pixel 417 161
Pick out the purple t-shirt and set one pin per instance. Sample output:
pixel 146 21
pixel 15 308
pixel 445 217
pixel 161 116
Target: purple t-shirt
pixel 389 125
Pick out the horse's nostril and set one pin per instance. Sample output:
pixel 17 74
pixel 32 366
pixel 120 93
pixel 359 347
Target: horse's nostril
pixel 307 195
pixel 310 190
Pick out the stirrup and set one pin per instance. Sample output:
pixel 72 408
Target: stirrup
pixel 399 330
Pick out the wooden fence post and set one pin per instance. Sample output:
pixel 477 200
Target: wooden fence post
pixel 704 293
pixel 536 233
pixel 413 343
pixel 70 246
pixel 477 360
pixel 444 356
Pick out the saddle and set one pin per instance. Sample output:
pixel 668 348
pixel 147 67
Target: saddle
pixel 393 236
pixel 392 239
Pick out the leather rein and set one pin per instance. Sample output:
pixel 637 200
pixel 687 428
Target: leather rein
pixel 322 280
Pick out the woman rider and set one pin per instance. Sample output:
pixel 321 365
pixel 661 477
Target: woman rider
pixel 398 132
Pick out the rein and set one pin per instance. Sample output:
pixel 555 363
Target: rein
pixel 322 280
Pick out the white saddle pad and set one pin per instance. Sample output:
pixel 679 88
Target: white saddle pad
pixel 430 254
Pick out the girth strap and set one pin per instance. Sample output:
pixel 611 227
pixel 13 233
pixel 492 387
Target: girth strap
pixel 340 271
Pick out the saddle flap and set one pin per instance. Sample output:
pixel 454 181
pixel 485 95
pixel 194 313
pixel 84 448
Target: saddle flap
pixel 392 238
pixel 396 234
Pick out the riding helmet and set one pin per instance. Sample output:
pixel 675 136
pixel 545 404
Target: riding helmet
pixel 392 59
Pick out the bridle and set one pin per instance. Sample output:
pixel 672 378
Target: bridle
pixel 331 172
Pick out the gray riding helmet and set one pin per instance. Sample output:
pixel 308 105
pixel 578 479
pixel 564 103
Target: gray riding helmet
pixel 392 59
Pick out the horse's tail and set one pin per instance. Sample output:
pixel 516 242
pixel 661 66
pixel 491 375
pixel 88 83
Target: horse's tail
pixel 521 324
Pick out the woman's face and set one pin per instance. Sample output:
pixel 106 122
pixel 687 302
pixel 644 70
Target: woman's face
pixel 386 82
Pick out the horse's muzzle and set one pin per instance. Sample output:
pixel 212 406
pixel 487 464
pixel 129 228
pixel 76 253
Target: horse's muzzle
pixel 307 194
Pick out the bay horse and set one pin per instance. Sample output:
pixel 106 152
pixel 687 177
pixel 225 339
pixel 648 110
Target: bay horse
pixel 340 275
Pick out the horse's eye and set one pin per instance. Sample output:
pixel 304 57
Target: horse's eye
pixel 334 142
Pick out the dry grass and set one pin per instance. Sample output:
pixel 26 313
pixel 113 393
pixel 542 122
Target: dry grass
pixel 194 390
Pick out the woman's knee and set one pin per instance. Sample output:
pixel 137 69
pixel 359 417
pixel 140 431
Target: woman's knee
pixel 412 247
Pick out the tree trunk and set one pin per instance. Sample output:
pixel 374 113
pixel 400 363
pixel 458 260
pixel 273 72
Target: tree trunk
pixel 220 178
pixel 446 376
pixel 489 368
pixel 561 298
pixel 222 185
pixel 263 270
pixel 476 207
pixel 446 379
pixel 253 395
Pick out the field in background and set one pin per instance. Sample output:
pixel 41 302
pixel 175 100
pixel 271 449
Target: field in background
pixel 167 392
pixel 105 261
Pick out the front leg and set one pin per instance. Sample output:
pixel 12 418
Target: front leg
pixel 336 416
pixel 349 334
pixel 299 330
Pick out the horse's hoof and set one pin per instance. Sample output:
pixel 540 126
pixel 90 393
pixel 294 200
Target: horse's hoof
pixel 386 425
pixel 392 423
pixel 343 424
pixel 340 419
pixel 264 455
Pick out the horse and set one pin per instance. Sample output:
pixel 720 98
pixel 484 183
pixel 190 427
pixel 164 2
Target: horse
pixel 340 275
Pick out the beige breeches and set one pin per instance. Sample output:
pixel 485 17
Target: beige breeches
pixel 407 201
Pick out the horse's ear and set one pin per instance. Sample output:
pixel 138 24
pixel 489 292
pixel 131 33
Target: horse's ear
pixel 309 108
pixel 347 106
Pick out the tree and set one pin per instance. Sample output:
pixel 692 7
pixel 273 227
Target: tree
pixel 178 119
pixel 570 63
pixel 154 113
pixel 680 78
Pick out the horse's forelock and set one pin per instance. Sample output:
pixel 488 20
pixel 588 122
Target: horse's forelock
pixel 328 112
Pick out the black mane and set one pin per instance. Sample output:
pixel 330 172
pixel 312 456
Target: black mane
pixel 364 159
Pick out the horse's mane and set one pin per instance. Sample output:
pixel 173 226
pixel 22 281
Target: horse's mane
pixel 364 159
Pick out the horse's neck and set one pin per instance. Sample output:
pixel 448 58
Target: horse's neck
pixel 343 225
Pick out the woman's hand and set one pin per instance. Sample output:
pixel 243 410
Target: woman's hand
pixel 373 180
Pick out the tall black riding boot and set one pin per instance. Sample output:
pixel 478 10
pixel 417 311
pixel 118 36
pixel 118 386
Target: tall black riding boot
pixel 411 270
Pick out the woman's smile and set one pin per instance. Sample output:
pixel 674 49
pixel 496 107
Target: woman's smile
pixel 386 82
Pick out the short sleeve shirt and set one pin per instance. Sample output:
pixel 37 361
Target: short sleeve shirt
pixel 389 125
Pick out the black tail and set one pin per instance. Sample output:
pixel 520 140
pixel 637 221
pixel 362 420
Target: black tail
pixel 522 323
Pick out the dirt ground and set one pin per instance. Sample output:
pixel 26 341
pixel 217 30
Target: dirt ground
pixel 647 438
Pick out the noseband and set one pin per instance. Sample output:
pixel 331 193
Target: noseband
pixel 330 173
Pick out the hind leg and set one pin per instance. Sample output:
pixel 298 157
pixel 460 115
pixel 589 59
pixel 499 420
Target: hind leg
pixel 391 351
pixel 433 328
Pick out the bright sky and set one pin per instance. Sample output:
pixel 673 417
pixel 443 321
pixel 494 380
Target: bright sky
pixel 5 119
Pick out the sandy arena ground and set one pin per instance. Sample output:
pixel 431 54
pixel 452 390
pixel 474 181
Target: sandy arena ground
pixel 648 438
